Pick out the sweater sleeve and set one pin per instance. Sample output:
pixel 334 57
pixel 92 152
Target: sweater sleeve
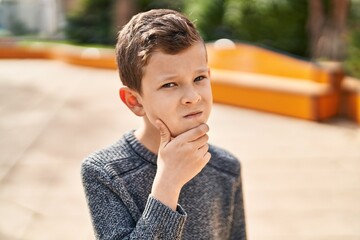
pixel 112 219
pixel 238 230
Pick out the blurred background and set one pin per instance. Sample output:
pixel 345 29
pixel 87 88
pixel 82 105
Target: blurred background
pixel 301 178
pixel 320 29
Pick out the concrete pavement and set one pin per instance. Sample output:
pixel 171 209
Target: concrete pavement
pixel 301 179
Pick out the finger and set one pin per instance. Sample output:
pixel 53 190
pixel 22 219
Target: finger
pixel 203 150
pixel 165 135
pixel 204 157
pixel 207 157
pixel 201 141
pixel 194 133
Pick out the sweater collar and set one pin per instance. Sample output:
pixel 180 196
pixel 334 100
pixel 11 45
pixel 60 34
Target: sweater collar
pixel 139 148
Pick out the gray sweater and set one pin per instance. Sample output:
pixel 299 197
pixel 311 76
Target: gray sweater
pixel 117 182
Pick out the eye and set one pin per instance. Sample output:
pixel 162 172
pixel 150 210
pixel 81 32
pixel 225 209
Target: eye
pixel 168 85
pixel 199 78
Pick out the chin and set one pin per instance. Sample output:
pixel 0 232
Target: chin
pixel 177 132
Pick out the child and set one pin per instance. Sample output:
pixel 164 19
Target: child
pixel 163 181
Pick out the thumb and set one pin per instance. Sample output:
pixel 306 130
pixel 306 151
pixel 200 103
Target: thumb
pixel 165 135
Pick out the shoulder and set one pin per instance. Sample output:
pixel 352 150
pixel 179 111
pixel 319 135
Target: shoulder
pixel 224 161
pixel 115 159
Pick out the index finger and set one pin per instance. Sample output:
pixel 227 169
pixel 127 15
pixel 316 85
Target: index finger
pixel 194 133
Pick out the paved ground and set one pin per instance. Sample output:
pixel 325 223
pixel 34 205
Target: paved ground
pixel 301 179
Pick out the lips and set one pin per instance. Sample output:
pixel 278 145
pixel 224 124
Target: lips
pixel 193 114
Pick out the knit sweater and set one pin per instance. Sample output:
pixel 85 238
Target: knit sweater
pixel 118 180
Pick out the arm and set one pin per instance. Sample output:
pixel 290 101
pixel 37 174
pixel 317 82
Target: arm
pixel 238 227
pixel 111 216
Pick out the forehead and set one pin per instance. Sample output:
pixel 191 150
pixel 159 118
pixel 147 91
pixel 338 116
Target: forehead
pixel 191 59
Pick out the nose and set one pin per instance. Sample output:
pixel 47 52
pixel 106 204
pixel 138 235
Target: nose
pixel 190 96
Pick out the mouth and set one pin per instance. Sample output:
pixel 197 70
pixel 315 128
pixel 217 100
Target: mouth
pixel 193 115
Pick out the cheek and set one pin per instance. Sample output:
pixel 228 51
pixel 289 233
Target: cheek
pixel 208 93
pixel 209 101
pixel 168 118
pixel 207 97
pixel 159 109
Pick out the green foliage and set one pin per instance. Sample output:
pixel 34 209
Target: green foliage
pixel 277 24
pixel 209 18
pixel 92 23
pixel 145 5
pixel 352 62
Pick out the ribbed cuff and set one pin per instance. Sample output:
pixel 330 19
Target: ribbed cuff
pixel 171 222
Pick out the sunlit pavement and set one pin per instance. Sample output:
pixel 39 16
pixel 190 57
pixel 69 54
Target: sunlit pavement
pixel 301 179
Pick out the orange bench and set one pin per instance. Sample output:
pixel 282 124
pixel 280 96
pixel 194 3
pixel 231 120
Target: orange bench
pixel 253 77
pixel 85 56
pixel 350 98
pixel 242 75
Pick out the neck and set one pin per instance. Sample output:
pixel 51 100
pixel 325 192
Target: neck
pixel 149 136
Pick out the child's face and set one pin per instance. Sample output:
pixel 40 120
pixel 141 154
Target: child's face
pixel 176 89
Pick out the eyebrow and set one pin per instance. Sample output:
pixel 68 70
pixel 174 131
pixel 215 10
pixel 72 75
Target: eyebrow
pixel 174 76
pixel 200 70
pixel 168 77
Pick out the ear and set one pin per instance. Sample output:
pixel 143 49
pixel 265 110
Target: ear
pixel 131 100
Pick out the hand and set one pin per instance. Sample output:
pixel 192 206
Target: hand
pixel 179 160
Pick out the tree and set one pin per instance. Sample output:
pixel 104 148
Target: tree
pixel 92 23
pixel 277 24
pixel 327 25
